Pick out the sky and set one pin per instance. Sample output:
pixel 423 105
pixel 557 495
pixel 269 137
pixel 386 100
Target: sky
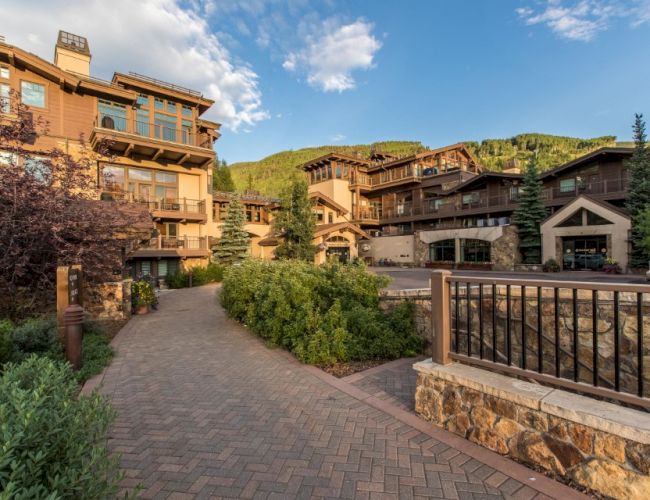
pixel 287 74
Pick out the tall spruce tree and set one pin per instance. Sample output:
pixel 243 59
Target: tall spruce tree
pixel 295 222
pixel 234 242
pixel 221 178
pixel 638 198
pixel 530 214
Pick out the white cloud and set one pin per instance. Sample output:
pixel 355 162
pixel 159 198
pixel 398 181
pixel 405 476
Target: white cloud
pixel 337 138
pixel 166 39
pixel 334 53
pixel 582 20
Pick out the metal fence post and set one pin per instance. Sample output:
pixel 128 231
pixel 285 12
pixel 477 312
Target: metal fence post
pixel 440 317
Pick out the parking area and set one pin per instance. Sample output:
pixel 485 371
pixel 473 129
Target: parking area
pixel 408 278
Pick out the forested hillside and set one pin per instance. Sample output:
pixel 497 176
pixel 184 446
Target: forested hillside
pixel 272 173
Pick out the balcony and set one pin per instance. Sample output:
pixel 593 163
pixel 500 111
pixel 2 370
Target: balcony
pixel 127 137
pixel 397 177
pixel 605 190
pixel 368 216
pixel 181 210
pixel 361 181
pixel 174 246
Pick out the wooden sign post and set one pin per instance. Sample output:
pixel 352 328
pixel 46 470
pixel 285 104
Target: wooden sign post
pixel 70 314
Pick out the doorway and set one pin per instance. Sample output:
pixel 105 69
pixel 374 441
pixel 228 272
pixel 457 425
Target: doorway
pixel 584 253
pixel 340 253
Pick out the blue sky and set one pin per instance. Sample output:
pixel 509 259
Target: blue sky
pixel 293 73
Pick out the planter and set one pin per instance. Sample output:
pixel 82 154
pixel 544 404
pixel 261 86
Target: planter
pixel 142 309
pixel 443 264
pixel 474 266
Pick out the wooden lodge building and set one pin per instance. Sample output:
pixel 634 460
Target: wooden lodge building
pixel 441 208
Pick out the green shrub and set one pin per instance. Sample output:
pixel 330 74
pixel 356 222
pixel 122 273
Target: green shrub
pixel 322 314
pixel 212 273
pixel 96 354
pixel 36 336
pixel 53 443
pixel 6 345
pixel 142 294
pixel 551 266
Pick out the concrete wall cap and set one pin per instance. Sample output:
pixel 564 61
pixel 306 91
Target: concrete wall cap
pixel 494 384
pixel 607 417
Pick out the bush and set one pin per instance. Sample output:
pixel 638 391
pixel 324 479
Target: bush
pixel 36 336
pixel 551 266
pixel 96 352
pixel 142 294
pixel 53 443
pixel 322 314
pixel 212 273
pixel 6 345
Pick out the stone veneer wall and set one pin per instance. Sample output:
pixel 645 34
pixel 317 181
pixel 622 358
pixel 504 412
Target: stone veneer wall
pixel 601 446
pixel 421 297
pixel 108 301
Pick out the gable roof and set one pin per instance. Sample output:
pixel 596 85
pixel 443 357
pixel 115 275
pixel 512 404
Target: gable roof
pixel 430 152
pixel 324 229
pixel 483 176
pixel 597 154
pixel 568 209
pixel 335 156
pixel 326 200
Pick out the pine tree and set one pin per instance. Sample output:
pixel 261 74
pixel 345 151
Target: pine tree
pixel 234 242
pixel 221 178
pixel 295 222
pixel 530 214
pixel 638 198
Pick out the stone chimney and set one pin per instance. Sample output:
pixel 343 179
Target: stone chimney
pixel 71 53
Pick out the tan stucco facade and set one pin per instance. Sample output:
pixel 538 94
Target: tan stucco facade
pixel 616 233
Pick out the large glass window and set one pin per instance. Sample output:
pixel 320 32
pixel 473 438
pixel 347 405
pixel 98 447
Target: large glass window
pixel 4 72
pixel 112 115
pixel 5 99
pixel 142 100
pixel 139 174
pixel 187 132
pixel 187 111
pixel 32 94
pixel 470 198
pixel 158 103
pixel 113 178
pixel 142 122
pixel 567 185
pixel 165 127
pixel 475 250
pixel 171 107
pixel 444 250
pixel 38 167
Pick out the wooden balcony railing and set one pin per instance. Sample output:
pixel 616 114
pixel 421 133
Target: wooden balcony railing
pixel 592 188
pixel 185 205
pixel 176 243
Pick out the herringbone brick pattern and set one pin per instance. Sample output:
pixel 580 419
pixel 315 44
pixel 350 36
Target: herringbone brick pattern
pixel 207 410
pixel 394 383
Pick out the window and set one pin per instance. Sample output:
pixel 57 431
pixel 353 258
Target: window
pixel 142 122
pixel 187 111
pixel 145 268
pixel 595 219
pixel 514 193
pixel 5 99
pixel 158 103
pixel 166 177
pixel 165 127
pixel 320 217
pixel 112 115
pixel 4 72
pixel 171 107
pixel 444 250
pixel 171 229
pixel 139 174
pixel 7 158
pixel 142 100
pixel 186 131
pixel 32 94
pixel 330 217
pixel 38 167
pixel 475 250
pixel 338 170
pixel 470 198
pixel 162 267
pixel 113 178
pixel 567 185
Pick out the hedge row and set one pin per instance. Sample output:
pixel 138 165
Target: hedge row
pixel 322 314
pixel 211 273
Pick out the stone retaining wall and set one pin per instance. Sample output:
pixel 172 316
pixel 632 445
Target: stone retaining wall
pixel 108 301
pixel 599 445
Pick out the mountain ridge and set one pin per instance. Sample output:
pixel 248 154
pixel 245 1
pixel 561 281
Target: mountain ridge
pixel 271 174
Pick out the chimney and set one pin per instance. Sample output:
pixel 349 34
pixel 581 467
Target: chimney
pixel 71 53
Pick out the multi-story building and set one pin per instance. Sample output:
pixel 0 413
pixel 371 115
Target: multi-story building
pixel 160 146
pixel 441 207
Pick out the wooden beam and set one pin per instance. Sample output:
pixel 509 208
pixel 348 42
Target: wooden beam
pixel 129 150
pixel 185 157
pixel 157 155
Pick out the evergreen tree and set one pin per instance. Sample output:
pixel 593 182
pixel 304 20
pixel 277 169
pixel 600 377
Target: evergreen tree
pixel 295 222
pixel 638 198
pixel 234 242
pixel 530 214
pixel 221 178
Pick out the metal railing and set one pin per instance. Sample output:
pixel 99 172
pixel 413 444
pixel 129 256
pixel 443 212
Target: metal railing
pixel 587 337
pixel 187 205
pixel 165 84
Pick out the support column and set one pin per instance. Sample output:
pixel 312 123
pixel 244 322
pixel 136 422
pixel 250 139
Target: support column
pixel 440 317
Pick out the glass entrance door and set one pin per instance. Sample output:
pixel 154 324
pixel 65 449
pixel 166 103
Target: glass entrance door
pixel 584 253
pixel 342 253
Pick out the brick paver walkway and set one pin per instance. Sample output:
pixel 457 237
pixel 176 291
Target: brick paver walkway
pixel 205 409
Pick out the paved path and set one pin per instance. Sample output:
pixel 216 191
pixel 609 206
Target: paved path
pixel 207 410
pixel 405 278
